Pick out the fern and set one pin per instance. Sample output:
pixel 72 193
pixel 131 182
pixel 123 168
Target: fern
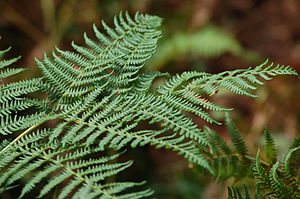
pixel 234 193
pixel 65 164
pixel 279 181
pixel 275 180
pixel 228 161
pixel 270 147
pixel 97 97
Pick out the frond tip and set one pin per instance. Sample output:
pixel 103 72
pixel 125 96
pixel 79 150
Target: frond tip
pixel 240 81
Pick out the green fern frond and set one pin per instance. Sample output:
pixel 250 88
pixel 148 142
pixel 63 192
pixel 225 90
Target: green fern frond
pixel 270 152
pixel 116 61
pixel 259 171
pixel 238 81
pixel 236 137
pixel 281 190
pixel 2 52
pixel 182 104
pixel 178 80
pixel 226 161
pixel 276 181
pixel 12 100
pixel 290 167
pixel 235 193
pixel 295 143
pixel 119 131
pixel 218 142
pixel 192 86
pixel 11 124
pixel 9 71
pixel 63 164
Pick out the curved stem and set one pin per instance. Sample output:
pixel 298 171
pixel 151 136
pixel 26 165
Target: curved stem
pixel 22 135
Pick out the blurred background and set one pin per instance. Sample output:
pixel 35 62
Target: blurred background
pixel 202 35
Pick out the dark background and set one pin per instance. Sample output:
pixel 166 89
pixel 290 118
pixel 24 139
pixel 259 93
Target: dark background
pixel 261 28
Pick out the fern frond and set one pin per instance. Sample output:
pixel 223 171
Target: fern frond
pixel 12 100
pixel 295 143
pixel 2 52
pixel 218 142
pixel 235 193
pixel 118 129
pixel 290 167
pixel 281 190
pixel 11 124
pixel 117 60
pixel 191 86
pixel 178 80
pixel 14 90
pixel 270 152
pixel 182 104
pixel 236 137
pixel 9 71
pixel 260 172
pixel 278 181
pixel 238 81
pixel 67 164
pixel 226 161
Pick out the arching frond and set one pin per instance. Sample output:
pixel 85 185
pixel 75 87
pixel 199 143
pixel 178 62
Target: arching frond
pixel 239 81
pixel 70 165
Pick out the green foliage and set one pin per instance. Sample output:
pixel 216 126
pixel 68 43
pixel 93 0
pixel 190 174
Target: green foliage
pixel 96 97
pixel 270 147
pixel 279 178
pixel 225 160
pixel 209 42
pixel 235 193
pixel 276 179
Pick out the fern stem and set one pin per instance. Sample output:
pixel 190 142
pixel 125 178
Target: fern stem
pixel 22 135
